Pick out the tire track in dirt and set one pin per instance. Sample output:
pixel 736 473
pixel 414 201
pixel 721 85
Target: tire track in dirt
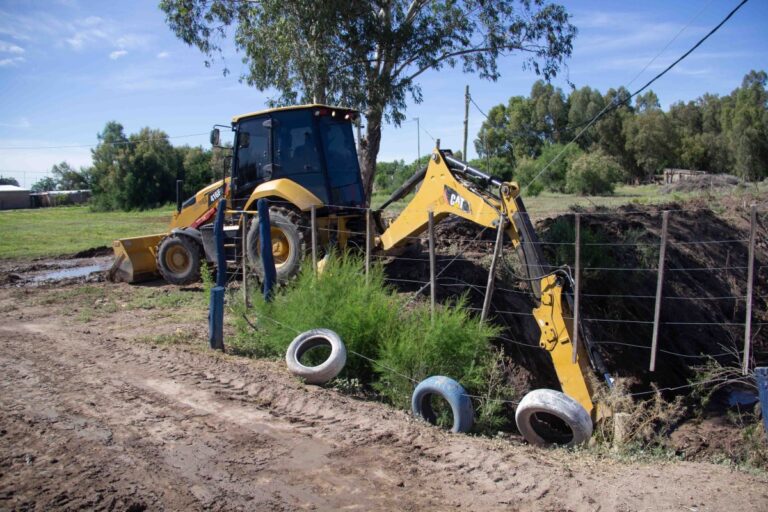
pixel 132 426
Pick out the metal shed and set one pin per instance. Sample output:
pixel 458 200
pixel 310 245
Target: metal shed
pixel 12 197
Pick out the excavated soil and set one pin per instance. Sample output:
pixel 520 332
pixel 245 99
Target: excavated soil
pixel 703 310
pixel 94 419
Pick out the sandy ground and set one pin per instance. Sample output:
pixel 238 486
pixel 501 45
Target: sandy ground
pixel 94 419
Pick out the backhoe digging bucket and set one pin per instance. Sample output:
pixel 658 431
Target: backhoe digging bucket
pixel 135 259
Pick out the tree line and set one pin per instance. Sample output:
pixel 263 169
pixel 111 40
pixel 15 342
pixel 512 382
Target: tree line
pixel 136 171
pixel 632 142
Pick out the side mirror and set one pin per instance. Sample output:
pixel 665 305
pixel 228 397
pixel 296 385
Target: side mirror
pixel 215 137
pixel 243 140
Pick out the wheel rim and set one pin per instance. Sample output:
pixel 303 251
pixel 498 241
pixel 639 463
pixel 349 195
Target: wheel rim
pixel 281 247
pixel 177 259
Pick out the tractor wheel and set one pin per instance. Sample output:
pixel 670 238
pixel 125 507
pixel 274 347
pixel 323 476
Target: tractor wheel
pixel 288 245
pixel 178 260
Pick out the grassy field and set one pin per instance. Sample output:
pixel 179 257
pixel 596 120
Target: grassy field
pixel 69 229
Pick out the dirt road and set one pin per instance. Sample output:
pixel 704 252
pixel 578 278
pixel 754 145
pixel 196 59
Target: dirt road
pixel 93 419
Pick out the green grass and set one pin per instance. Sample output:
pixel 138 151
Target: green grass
pixel 70 229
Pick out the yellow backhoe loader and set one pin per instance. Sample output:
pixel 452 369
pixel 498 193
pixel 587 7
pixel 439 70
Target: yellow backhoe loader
pixel 305 156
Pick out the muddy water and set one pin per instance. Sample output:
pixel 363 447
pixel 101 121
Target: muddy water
pixel 70 273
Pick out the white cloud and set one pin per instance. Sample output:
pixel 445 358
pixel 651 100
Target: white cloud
pixel 163 55
pixel 12 61
pixel 117 54
pixel 10 48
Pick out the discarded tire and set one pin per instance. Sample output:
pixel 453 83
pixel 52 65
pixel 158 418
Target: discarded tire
pixel 452 392
pixel 547 417
pixel 308 340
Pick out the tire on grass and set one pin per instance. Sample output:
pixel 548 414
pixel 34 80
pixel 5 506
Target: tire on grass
pixel 325 371
pixel 547 417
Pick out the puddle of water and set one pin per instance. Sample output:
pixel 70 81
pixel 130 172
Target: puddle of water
pixel 69 273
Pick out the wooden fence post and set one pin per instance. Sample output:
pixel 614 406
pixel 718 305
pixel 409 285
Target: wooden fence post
pixel 432 263
pixel 750 279
pixel 492 270
pixel 659 287
pixel 577 290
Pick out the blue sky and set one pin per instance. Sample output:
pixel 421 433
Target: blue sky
pixel 69 66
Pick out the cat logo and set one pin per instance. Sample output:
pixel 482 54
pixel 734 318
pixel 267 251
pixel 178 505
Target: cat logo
pixel 455 200
pixel 215 195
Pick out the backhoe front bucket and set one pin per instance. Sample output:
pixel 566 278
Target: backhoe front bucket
pixel 135 258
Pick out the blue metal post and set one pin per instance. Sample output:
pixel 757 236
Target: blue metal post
pixel 221 257
pixel 216 307
pixel 761 376
pixel 265 248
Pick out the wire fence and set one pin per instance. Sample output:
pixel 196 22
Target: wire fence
pixel 731 259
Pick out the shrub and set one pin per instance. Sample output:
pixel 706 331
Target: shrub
pixel 404 343
pixel 593 174
pixel 340 300
pixel 456 345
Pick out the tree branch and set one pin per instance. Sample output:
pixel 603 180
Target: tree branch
pixel 459 53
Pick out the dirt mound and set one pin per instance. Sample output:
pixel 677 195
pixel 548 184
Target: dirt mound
pixel 702 182
pixel 93 252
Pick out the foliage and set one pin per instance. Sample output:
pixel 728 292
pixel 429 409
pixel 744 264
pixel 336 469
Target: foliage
pixel 135 172
pixel 8 181
pixel 712 133
pixel 373 55
pixel 68 178
pixel 651 140
pixel 593 174
pixel 390 175
pixel 373 321
pixel 197 165
pixel 44 184
pixel 557 158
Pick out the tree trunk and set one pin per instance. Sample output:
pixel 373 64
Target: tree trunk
pixel 369 150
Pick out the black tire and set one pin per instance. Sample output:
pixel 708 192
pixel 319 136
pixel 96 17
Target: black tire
pixel 178 260
pixel 325 371
pixel 547 417
pixel 288 243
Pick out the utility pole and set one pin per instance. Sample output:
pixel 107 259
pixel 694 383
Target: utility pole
pixel 466 123
pixel 418 141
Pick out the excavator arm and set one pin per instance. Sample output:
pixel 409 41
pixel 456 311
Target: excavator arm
pixel 452 187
